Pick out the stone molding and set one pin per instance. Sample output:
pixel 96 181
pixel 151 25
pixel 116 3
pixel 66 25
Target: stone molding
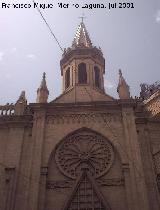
pixel 61 184
pixel 84 118
pixel 111 182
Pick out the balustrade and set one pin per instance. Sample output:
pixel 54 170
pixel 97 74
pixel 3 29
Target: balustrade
pixel 7 109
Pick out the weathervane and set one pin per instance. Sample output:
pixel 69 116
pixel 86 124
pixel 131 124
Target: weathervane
pixel 82 17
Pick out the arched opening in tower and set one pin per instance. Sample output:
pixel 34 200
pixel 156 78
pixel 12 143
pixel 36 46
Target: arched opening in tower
pixel 82 73
pixel 97 76
pixel 67 78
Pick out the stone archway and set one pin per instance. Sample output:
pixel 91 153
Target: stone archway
pixel 81 149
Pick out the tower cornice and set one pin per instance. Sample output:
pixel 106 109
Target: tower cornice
pixel 93 53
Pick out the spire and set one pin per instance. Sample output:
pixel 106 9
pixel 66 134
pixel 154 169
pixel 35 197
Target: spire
pixel 123 88
pixel 82 38
pixel 22 98
pixel 43 82
pixel 21 104
pixel 42 92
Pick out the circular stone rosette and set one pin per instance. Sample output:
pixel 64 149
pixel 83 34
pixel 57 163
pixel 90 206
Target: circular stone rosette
pixel 84 150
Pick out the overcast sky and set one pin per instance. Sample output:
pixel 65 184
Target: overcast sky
pixel 129 39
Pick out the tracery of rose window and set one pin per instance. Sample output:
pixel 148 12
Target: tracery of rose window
pixel 84 148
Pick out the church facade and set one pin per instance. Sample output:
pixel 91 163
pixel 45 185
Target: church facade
pixel 84 150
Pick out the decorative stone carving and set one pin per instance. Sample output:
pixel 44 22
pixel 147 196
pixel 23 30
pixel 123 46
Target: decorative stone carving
pixel 84 118
pixel 111 182
pixel 84 149
pixel 147 90
pixel 53 185
pixel 59 184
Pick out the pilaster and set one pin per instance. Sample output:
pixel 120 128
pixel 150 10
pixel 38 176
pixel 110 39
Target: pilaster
pixel 144 139
pixel 126 174
pixel 37 137
pixel 138 186
pixel 42 191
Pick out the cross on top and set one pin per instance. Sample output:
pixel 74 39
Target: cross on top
pixel 44 75
pixel 82 17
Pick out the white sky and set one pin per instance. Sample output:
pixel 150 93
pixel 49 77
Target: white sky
pixel 129 38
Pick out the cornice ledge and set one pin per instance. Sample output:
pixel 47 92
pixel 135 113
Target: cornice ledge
pixel 16 121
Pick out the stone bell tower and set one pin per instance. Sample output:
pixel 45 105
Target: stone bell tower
pixel 82 69
pixel 82 64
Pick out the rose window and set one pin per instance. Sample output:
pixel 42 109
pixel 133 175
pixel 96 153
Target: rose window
pixel 84 149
